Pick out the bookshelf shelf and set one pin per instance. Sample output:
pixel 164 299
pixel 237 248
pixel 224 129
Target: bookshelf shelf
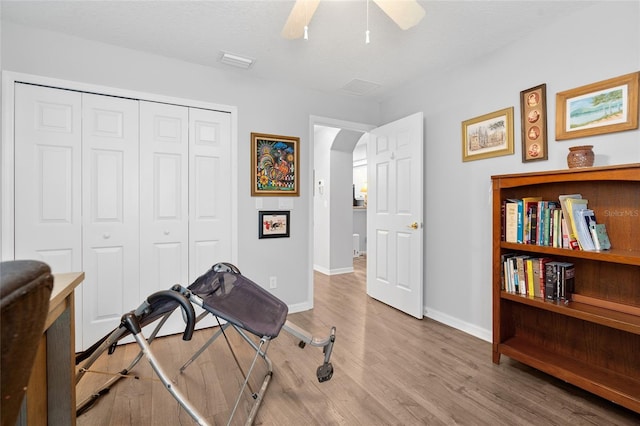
pixel 615 387
pixel 609 317
pixel 625 257
pixel 592 341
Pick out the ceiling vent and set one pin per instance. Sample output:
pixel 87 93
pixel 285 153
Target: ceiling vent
pixel 360 87
pixel 236 60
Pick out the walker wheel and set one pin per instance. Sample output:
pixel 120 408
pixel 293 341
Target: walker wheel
pixel 325 372
pixel 301 344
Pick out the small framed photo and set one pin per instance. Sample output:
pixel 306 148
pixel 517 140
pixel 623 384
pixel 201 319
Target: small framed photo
pixel 275 165
pixel 533 110
pixel 273 224
pixel 603 107
pixel 489 135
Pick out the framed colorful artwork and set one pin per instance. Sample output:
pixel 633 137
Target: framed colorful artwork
pixel 533 111
pixel 273 224
pixel 489 135
pixel 275 162
pixel 603 107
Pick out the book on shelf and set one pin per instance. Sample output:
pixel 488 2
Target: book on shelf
pixel 511 220
pixel 585 218
pixel 522 276
pixel 531 281
pixel 571 241
pixel 551 281
pixel 520 222
pixel 565 232
pixel 547 234
pixel 505 285
pixel 573 205
pixel 557 228
pixel 566 286
pixel 600 237
pixel 559 281
pixel 529 222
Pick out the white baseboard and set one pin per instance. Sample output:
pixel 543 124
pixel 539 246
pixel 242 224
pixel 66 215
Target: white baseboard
pixel 456 323
pixel 300 307
pixel 338 271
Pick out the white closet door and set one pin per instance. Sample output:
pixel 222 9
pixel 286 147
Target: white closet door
pixel 209 193
pixel 164 203
pixel 48 221
pixel 110 213
pixel 209 189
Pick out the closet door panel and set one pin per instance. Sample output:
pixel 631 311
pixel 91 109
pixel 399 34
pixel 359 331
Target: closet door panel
pixel 110 213
pixel 210 189
pixel 47 145
pixel 164 204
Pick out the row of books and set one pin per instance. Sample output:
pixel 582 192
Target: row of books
pixel 540 277
pixel 566 223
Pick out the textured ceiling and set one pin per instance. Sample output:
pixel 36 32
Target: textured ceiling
pixel 452 33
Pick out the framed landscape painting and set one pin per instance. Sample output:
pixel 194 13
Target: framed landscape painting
pixel 603 107
pixel 489 135
pixel 274 165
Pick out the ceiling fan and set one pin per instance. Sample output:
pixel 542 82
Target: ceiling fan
pixel 405 13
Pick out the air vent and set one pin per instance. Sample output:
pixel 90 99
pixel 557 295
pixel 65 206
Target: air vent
pixel 360 87
pixel 236 60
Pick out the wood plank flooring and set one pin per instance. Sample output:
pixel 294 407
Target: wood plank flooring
pixel 390 369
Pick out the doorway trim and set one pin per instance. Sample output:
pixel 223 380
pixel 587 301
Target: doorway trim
pixel 315 120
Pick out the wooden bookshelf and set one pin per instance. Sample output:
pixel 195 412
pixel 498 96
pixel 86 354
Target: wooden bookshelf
pixel 592 341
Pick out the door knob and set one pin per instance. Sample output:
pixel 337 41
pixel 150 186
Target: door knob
pixel 414 225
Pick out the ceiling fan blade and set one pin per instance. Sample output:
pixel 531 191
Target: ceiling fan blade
pixel 405 13
pixel 300 16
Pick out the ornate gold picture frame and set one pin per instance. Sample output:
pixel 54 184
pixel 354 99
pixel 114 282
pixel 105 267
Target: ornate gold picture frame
pixel 603 107
pixel 487 136
pixel 275 165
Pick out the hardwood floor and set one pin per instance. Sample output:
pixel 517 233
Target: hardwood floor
pixel 390 369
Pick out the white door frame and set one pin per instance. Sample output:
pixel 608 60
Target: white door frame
pixel 315 120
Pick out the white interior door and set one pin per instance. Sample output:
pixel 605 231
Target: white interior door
pixel 210 190
pixel 47 143
pixel 395 216
pixel 164 201
pixel 210 195
pixel 110 214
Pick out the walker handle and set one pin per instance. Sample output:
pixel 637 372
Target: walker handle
pixel 187 309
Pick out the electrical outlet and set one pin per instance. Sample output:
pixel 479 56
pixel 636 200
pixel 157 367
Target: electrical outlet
pixel 273 282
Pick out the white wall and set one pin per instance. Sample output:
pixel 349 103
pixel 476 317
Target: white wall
pixel 341 212
pixel 333 220
pixel 323 138
pixel 263 106
pixel 595 44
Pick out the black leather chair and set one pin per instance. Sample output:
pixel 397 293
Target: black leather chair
pixel 25 289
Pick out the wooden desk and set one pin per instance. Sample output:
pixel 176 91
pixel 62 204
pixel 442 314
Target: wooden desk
pixel 51 393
